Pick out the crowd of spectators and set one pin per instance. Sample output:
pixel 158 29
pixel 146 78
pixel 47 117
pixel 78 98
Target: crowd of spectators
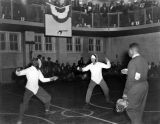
pixel 69 72
pixel 17 10
pixel 64 71
pixel 154 70
pixel 114 6
pixel 131 13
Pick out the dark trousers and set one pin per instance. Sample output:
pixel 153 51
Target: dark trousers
pixel 137 97
pixel 91 86
pixel 41 94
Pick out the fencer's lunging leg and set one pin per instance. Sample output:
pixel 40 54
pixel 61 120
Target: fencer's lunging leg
pixel 27 96
pixel 105 89
pixel 91 86
pixel 44 97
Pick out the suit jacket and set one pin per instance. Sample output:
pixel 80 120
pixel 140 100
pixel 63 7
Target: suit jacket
pixel 136 65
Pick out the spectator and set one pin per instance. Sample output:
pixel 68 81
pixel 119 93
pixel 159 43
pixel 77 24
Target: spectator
pixel 89 8
pixel 44 66
pixel 81 62
pixel 49 67
pixel 104 9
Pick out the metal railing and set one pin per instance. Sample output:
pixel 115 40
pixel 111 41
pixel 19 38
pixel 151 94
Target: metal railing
pixel 17 11
pixel 118 19
pixel 35 13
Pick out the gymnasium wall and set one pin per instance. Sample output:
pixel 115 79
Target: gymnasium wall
pixel 72 57
pixel 116 47
pixel 8 63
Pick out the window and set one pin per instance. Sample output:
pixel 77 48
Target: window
pixel 38 43
pixel 91 45
pixel 48 43
pixel 69 45
pixel 14 40
pixel 95 45
pixel 10 41
pixel 77 44
pixel 98 45
pixel 2 41
pixel 74 44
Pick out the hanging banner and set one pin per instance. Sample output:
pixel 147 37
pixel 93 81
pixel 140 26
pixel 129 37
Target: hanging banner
pixel 58 20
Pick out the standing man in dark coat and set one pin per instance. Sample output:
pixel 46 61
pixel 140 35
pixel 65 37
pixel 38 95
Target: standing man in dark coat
pixel 136 88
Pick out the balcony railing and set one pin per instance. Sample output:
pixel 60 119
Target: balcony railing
pixel 118 19
pixel 35 13
pixel 16 11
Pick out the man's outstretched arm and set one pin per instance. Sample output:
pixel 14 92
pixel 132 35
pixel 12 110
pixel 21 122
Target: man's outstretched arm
pixel 108 63
pixel 43 79
pixel 84 69
pixel 21 72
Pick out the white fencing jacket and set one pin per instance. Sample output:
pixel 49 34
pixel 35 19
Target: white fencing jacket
pixel 33 76
pixel 96 70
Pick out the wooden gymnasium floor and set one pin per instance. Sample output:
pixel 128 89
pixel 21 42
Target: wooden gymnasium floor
pixel 68 106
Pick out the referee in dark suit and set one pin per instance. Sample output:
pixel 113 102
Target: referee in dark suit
pixel 136 88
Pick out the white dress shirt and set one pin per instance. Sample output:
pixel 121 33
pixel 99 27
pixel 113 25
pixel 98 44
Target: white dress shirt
pixel 33 76
pixel 96 70
pixel 135 55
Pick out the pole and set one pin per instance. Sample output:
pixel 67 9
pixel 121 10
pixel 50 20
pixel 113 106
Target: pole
pixel 30 52
pixel 145 16
pixel 92 20
pixel 11 9
pixel 108 17
pixel 57 48
pixel 118 19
